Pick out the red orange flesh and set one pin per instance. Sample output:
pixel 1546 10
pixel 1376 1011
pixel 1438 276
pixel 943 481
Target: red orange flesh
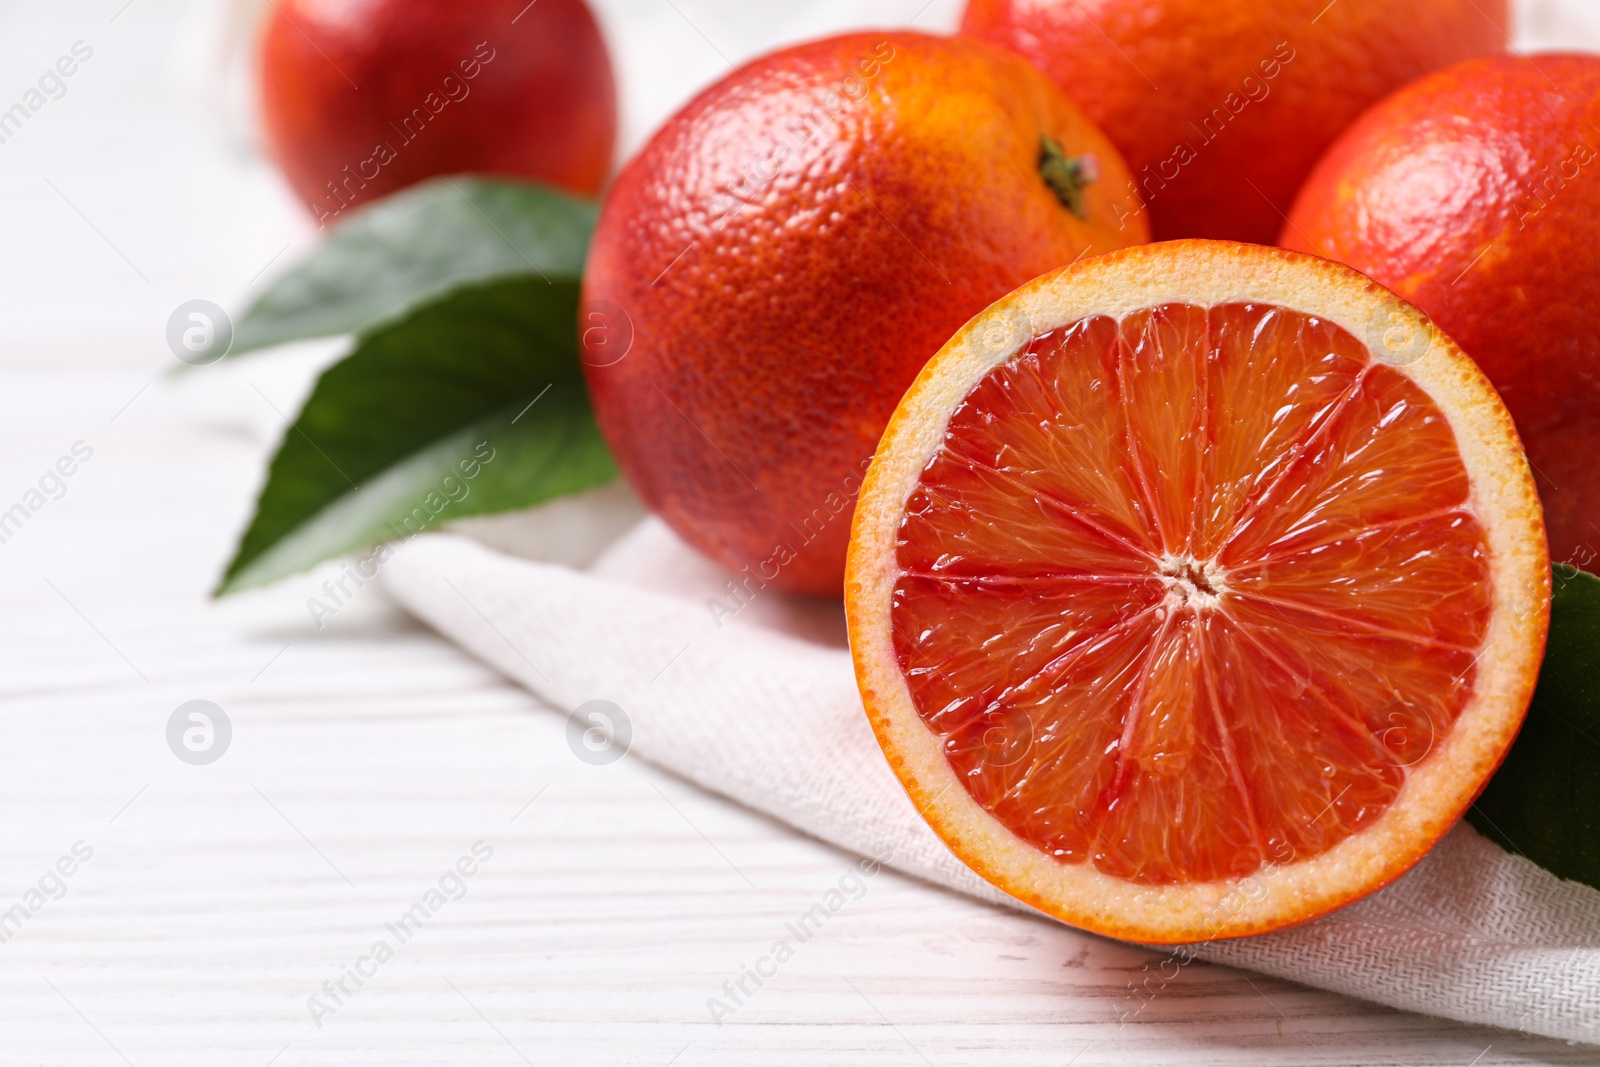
pixel 1166 596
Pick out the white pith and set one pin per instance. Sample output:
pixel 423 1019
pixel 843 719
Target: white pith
pixel 1197 583
pixel 1435 792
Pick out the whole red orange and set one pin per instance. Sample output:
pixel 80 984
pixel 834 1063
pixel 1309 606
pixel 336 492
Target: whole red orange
pixel 1222 107
pixel 1475 194
pixel 362 97
pixel 770 273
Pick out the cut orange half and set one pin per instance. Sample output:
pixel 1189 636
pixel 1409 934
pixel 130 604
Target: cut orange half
pixel 1195 590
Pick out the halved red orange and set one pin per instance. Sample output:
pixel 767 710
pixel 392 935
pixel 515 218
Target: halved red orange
pixel 1195 590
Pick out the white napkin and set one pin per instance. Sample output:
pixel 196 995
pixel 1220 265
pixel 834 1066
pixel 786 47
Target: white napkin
pixel 756 700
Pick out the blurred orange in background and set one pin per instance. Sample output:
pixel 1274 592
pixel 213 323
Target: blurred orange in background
pixel 1221 109
pixel 361 98
pixel 1475 194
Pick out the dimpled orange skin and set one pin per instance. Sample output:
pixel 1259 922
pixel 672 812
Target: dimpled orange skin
pixel 341 77
pixel 1287 75
pixel 792 247
pixel 1475 194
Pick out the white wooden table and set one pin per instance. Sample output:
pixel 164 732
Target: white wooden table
pixel 367 758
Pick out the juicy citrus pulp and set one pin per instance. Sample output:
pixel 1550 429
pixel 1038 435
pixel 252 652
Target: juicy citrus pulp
pixel 1164 580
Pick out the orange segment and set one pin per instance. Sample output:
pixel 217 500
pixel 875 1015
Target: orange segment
pixel 1272 379
pixel 1162 580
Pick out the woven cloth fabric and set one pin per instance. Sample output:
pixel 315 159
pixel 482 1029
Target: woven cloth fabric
pixel 754 697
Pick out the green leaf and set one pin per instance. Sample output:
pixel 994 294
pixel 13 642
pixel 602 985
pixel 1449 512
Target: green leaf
pixel 484 380
pixel 409 249
pixel 1544 802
